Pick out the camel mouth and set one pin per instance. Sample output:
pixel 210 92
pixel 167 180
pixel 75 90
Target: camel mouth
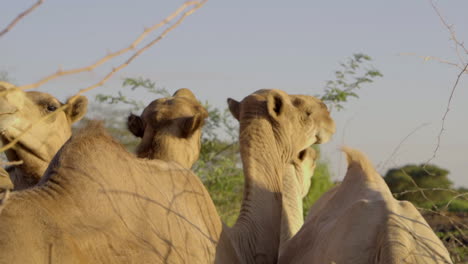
pixel 324 135
pixel 318 139
pixel 21 150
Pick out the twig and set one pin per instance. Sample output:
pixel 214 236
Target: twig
pixel 11 163
pixel 420 190
pixel 20 16
pixel 401 143
pixel 441 213
pixel 112 55
pixel 453 35
pixel 14 141
pixel 445 115
pixel 140 51
pixel 454 198
pixel 430 189
pixel 428 58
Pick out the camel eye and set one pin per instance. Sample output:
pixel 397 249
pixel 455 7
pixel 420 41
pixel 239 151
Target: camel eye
pixel 297 102
pixel 51 108
pixel 308 113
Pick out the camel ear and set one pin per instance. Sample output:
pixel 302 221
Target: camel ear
pixel 135 125
pixel 234 108
pixel 191 124
pixel 77 109
pixel 184 92
pixel 275 105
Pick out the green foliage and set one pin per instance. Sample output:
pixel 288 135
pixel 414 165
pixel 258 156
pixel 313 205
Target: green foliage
pixel 133 83
pixel 218 167
pixel 320 183
pixel 353 73
pixel 455 205
pixel 426 186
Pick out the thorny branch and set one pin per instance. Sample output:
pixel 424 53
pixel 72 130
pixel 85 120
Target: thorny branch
pixel 384 164
pixel 196 5
pixel 143 49
pixel 453 35
pixel 459 45
pixel 445 114
pixel 20 16
pixel 428 58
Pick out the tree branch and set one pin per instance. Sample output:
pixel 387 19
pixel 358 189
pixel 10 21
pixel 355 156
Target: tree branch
pixel 196 6
pixel 132 46
pixel 21 16
pixel 445 115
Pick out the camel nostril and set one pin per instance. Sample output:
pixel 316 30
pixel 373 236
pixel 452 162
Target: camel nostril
pixel 318 139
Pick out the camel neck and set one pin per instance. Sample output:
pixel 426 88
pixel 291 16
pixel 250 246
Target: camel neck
pixel 23 178
pixel 292 215
pixel 256 232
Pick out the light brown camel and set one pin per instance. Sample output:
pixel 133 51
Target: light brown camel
pixel 97 203
pixel 273 128
pixel 170 128
pixel 296 184
pixel 359 221
pixel 37 147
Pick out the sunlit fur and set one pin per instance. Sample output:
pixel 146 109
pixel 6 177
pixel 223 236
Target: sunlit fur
pixel 169 124
pixel 359 221
pixel 274 127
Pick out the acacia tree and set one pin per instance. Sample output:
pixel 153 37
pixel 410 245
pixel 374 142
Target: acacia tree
pixel 406 181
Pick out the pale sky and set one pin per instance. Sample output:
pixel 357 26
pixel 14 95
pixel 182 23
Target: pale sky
pixel 232 48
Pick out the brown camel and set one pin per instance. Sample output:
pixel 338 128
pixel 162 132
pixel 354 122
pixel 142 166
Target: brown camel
pixel 36 148
pixel 97 203
pixel 170 128
pixel 359 221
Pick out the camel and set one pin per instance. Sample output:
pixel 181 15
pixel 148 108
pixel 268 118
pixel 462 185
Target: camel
pixel 37 147
pixel 359 221
pixel 296 179
pixel 169 124
pixel 296 185
pixel 97 203
pixel 273 128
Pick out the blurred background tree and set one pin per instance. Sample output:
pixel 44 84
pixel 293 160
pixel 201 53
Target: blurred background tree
pixel 426 186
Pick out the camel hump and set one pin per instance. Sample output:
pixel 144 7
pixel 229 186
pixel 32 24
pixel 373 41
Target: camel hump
pixel 357 160
pixel 184 92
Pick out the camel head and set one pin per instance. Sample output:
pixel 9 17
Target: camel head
pixel 20 111
pixel 297 121
pixel 170 128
